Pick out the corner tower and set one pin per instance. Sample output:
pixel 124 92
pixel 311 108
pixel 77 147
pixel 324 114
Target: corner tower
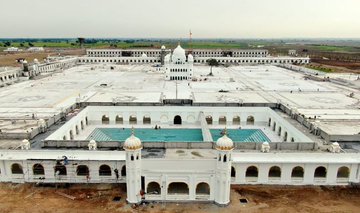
pixel 132 146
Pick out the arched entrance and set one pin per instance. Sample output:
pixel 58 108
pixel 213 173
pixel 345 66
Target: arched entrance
pixel 320 172
pixel 203 189
pixel 275 172
pixel 252 173
pixel 343 172
pixel 38 169
pixel 178 188
pixel 104 170
pixel 153 188
pixel 236 120
pixel 209 120
pixel 297 172
pixel 177 120
pixel 250 120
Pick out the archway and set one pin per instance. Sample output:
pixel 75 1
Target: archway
pixel 275 172
pixel 105 119
pixel 233 172
pixel 250 120
pixel 222 120
pixel 38 169
pixel 343 172
pixel 269 123
pixel 71 135
pixel 119 119
pixel 252 171
pixel 82 170
pixel 146 120
pixel 82 125
pixel 236 120
pixel 279 131
pixel 123 171
pixel 132 119
pixel 104 170
pixel 209 120
pixel 153 188
pixel 320 172
pixel 203 189
pixel 285 137
pixel 297 172
pixel 178 188
pixel 60 170
pixel 274 126
pixel 16 169
pixel 177 120
pixel 77 129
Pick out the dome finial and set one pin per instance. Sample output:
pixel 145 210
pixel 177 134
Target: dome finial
pixel 225 131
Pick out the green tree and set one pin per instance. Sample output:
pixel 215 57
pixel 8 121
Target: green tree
pixel 212 63
pixel 81 41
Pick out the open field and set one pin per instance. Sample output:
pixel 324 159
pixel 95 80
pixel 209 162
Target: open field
pixel 10 59
pixel 99 198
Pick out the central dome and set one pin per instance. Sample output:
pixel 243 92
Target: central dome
pixel 178 54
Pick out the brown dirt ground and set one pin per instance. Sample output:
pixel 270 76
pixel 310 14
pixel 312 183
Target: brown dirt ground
pixel 338 66
pixel 9 59
pixel 98 198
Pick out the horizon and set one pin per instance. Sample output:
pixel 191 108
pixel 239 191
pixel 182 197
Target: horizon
pixel 228 19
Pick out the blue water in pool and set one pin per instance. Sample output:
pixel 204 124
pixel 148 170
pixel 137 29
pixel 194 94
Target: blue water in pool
pixel 241 135
pixel 176 135
pixel 148 135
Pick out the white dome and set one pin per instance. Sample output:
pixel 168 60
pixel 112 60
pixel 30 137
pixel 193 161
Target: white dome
pixel 92 142
pixel 224 143
pixel 163 47
pixel 190 58
pixel 144 55
pixel 178 54
pixel 25 141
pixel 25 62
pixel 36 61
pixel 132 143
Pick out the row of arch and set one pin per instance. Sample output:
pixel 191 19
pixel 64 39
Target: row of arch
pixel 296 172
pixel 81 170
pixel 250 120
pixel 123 60
pixel 202 188
pixel 82 125
pixel 257 61
pixel 283 134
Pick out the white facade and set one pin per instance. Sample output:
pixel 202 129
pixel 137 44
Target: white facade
pixel 9 76
pixel 178 66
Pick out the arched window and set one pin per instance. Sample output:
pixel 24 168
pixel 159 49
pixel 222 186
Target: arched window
pixel 71 135
pixel 146 120
pixel 123 171
pixel 275 172
pixel 86 121
pixel 105 119
pixel 343 172
pixel 297 172
pixel 38 169
pixel 16 169
pixel 82 124
pixel 233 172
pixel 252 171
pixel 269 123
pixel 320 172
pixel 209 120
pixel 119 119
pixel 77 129
pixel 250 120
pixel 153 188
pixel 60 170
pixel 203 188
pixel 178 188
pixel 274 126
pixel 279 131
pixel 225 158
pixel 177 120
pixel 132 119
pixel 104 170
pixel 222 120
pixel 82 170
pixel 285 136
pixel 236 120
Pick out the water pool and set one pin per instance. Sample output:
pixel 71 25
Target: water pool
pixel 241 135
pixel 147 135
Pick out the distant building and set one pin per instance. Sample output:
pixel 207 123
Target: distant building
pixel 292 52
pixel 12 50
pixel 178 66
pixel 36 49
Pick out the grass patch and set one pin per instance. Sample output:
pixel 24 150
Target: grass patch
pixel 320 68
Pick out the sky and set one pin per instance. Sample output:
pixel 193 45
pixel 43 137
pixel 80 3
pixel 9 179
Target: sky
pixel 174 18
